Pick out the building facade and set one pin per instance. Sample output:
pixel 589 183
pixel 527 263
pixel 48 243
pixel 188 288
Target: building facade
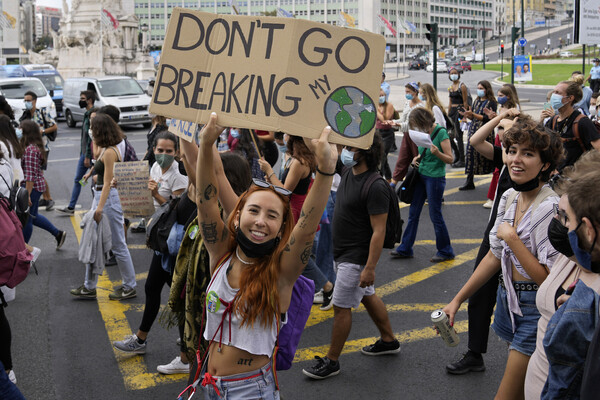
pixel 47 20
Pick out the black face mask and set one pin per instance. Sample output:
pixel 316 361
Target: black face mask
pixel 255 250
pixel 82 104
pixel 558 234
pixel 527 186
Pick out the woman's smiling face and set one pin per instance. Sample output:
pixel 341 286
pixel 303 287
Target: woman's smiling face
pixel 524 163
pixel 262 216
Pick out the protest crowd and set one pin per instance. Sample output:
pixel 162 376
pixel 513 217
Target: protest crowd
pixel 244 245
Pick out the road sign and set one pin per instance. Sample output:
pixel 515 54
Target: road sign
pixel 522 42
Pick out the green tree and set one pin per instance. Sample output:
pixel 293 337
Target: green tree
pixel 42 43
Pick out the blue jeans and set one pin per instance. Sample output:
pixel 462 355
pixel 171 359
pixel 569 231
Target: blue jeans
pixel 324 256
pixel 112 210
pixel 35 219
pixel 81 170
pixel 8 390
pixel 258 384
pixel 431 189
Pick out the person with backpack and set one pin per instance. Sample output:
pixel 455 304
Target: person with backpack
pixel 259 250
pixel 460 100
pixel 33 178
pixel 359 232
pixel 577 132
pixel 519 247
pixel 48 130
pixel 106 135
pixel 87 98
pixel 431 183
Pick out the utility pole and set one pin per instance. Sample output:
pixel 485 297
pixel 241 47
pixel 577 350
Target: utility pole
pixel 522 24
pixel 483 34
pixel 432 36
pixel 514 36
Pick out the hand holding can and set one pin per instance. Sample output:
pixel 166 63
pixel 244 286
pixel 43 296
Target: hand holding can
pixel 442 324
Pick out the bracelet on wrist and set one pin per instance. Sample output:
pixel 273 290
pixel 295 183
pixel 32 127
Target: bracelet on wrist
pixel 324 173
pixel 270 175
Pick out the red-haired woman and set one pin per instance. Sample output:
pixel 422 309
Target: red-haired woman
pixel 255 259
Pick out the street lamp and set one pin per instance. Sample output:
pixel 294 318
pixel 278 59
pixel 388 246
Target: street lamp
pixel 455 32
pixel 483 34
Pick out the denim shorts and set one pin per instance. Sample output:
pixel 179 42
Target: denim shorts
pixel 524 338
pixel 347 292
pixel 258 384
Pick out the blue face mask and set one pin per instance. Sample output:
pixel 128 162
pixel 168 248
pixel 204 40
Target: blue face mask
pixel 347 158
pixel 502 100
pixel 234 133
pixel 556 101
pixel 481 93
pixel 28 105
pixel 282 148
pixel 409 96
pixel 19 133
pixel 381 99
pixel 584 257
pixel 421 97
pixel 454 77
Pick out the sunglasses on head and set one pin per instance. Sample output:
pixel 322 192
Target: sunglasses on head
pixel 266 185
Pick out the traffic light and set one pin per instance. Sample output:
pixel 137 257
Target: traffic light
pixel 502 47
pixel 515 33
pixel 432 36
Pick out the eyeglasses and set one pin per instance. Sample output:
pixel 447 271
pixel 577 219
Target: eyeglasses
pixel 266 185
pixel 562 215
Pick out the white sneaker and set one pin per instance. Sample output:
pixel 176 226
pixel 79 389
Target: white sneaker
pixel 174 367
pixel 318 299
pixel 488 204
pixel 36 253
pixel 12 377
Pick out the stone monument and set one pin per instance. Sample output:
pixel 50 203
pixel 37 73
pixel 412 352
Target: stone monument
pixel 87 46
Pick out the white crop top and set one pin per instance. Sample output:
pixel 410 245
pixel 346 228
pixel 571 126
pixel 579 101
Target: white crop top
pixel 219 297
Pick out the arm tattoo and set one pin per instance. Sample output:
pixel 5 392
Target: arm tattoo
pixel 210 192
pixel 304 217
pixel 245 361
pixel 306 253
pixel 209 232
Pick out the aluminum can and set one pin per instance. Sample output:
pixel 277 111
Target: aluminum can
pixel 447 332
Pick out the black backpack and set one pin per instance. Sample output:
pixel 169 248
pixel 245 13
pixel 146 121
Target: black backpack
pixel 393 225
pixel 160 224
pixel 18 200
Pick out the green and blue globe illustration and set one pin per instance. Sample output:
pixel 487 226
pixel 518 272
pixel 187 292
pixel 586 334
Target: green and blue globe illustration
pixel 350 112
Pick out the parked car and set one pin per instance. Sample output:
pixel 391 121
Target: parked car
pixel 441 67
pixel 46 73
pixel 417 64
pixel 566 54
pixel 13 89
pixel 469 58
pixel 121 91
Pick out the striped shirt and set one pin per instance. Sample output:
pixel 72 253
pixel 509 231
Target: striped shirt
pixel 533 232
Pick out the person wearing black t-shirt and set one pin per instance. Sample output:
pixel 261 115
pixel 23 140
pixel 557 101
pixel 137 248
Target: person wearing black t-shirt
pixel 481 304
pixel 566 94
pixel 358 235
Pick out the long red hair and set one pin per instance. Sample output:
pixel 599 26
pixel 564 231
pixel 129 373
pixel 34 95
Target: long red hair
pixel 258 296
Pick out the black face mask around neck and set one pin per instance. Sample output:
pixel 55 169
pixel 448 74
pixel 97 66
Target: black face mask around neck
pixel 527 186
pixel 255 250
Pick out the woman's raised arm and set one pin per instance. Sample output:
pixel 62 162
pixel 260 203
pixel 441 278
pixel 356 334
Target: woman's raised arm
pixel 299 246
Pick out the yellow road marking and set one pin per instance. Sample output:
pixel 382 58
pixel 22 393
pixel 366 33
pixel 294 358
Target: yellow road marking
pixel 454 241
pixel 352 346
pixel 317 316
pixel 133 368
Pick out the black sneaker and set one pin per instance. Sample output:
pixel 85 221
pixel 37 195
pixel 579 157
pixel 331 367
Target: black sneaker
pixel 60 239
pixel 42 203
pixel 323 369
pixel 327 296
pixel 49 205
pixel 380 348
pixel 469 362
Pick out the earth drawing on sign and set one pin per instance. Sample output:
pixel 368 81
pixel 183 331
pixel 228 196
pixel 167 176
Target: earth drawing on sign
pixel 350 112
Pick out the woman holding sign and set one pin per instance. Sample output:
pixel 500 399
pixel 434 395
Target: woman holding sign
pixel 432 181
pixel 257 251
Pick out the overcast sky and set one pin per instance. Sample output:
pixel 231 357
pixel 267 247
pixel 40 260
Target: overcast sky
pixel 51 3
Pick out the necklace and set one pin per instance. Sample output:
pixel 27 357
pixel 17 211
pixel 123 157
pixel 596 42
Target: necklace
pixel 237 254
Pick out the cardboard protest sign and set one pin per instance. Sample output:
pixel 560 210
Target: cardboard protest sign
pixel 183 129
pixel 274 74
pixel 132 184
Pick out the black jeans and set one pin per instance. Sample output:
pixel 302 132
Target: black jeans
pixel 389 137
pixel 457 142
pixel 481 305
pixel 5 340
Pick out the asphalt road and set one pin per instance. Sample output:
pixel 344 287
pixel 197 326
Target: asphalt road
pixel 62 346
